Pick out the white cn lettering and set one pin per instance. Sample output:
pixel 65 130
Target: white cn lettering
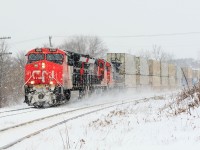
pixel 35 72
pixel 43 76
pixel 52 74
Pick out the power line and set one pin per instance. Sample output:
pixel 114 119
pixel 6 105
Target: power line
pixel 142 35
pixel 152 35
pixel 112 36
pixel 29 40
pixel 3 38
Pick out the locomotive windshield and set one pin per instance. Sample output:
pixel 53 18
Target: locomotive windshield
pixel 35 57
pixel 56 58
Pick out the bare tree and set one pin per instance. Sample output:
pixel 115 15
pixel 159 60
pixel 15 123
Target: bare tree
pixel 160 55
pixel 145 54
pixel 91 45
pixel 157 53
pixel 21 59
pixel 5 63
pixel 18 68
pixel 11 75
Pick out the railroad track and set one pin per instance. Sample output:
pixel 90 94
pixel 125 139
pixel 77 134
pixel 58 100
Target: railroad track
pixel 9 115
pixel 38 125
pixel 1 112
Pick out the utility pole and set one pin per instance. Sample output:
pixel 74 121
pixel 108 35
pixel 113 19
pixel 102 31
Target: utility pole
pixel 50 44
pixel 5 38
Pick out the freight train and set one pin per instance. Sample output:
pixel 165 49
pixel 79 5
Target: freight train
pixel 51 74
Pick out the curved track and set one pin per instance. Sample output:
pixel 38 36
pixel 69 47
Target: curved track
pixel 6 111
pixel 3 116
pixel 36 126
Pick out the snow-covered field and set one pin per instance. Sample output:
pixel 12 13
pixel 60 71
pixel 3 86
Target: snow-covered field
pixel 129 126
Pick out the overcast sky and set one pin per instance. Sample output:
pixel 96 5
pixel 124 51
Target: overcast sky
pixel 30 22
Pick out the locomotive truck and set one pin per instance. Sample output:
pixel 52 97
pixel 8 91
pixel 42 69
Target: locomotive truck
pixel 51 74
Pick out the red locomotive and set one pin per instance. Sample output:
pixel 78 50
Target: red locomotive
pixel 51 74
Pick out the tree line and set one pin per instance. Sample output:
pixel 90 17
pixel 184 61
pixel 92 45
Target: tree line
pixel 11 75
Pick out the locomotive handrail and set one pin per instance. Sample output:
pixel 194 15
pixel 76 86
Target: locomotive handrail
pixel 56 80
pixel 27 81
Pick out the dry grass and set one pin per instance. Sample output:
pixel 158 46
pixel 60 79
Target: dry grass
pixel 107 120
pixel 184 101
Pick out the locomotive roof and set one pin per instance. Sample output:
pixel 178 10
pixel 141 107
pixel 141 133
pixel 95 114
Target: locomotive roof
pixel 46 50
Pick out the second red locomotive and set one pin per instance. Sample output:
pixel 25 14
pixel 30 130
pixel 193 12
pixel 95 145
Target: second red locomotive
pixel 51 74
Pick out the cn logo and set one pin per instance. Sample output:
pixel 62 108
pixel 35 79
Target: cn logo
pixel 38 74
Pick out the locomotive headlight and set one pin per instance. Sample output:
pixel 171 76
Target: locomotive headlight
pixel 43 65
pixel 51 82
pixel 32 82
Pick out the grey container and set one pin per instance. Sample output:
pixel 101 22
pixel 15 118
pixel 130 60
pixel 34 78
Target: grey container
pixel 142 71
pixel 195 74
pixel 164 70
pixel 172 70
pixel 164 81
pixel 128 65
pixel 142 80
pixel 195 77
pixel 142 66
pixel 178 76
pixel 130 81
pixel 154 81
pixel 172 82
pixel 127 68
pixel 188 72
pixel 154 68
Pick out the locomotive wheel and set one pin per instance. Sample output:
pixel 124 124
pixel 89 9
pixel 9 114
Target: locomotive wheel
pixel 67 94
pixel 81 93
pixel 26 100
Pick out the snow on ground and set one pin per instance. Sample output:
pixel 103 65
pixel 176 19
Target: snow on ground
pixel 72 104
pixel 140 126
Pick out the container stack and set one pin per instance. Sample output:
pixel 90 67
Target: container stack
pixel 131 71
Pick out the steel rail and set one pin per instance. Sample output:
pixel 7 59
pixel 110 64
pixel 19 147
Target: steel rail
pixel 15 110
pixel 19 113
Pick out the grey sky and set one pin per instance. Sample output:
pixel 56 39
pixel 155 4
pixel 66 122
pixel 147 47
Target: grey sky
pixel 35 20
